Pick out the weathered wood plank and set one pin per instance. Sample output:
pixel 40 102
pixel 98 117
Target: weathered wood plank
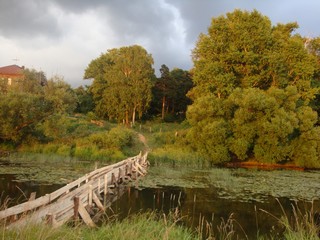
pixel 90 192
pixel 97 202
pixel 105 190
pixel 32 196
pixel 85 216
pixel 76 208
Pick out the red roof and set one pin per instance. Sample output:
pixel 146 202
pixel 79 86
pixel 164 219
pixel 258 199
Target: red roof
pixel 11 70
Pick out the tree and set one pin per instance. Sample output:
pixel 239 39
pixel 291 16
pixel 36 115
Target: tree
pixel 183 80
pixel 254 91
pixel 244 50
pixel 164 90
pixel 29 106
pixel 84 100
pixel 20 113
pixel 170 91
pixel 122 81
pixel 60 94
pixel 32 82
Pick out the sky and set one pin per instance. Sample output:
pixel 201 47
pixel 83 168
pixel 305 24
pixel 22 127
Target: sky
pixel 61 37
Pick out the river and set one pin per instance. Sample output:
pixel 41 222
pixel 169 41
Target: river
pixel 252 198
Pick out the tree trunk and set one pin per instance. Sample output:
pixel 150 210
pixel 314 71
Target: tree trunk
pixel 127 118
pixel 163 106
pixel 133 116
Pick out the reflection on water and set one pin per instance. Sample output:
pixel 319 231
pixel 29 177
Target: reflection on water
pixel 195 203
pixel 17 192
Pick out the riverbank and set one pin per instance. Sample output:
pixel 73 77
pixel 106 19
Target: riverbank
pixel 154 226
pixel 263 166
pixel 109 142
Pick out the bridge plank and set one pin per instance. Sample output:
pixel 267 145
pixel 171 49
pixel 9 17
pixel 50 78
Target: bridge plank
pixel 85 216
pixel 97 202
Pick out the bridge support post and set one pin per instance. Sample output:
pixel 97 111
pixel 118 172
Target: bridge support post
pixel 105 184
pixel 49 219
pixel 90 195
pixel 99 185
pixel 76 208
pixel 113 180
pixel 120 175
pixel 85 216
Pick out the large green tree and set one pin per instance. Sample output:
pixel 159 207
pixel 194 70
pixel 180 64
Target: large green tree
pixel 253 92
pixel 122 82
pixel 169 92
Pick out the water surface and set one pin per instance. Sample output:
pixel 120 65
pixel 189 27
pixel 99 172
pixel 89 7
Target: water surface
pixel 253 198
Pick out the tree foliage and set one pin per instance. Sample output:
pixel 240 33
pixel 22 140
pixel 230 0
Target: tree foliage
pixel 20 112
pixel 84 100
pixel 33 101
pixel 60 94
pixel 122 81
pixel 253 94
pixel 169 92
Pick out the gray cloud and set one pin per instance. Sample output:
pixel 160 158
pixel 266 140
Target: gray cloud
pixel 27 19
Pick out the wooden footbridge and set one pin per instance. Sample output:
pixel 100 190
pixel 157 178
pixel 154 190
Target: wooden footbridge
pixel 77 198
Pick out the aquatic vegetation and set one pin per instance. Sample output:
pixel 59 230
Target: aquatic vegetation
pixel 239 184
pixel 44 168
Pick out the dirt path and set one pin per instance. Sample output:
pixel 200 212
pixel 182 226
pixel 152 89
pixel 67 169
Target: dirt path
pixel 144 141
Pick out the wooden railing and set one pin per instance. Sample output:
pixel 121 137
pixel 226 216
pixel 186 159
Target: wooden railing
pixel 77 197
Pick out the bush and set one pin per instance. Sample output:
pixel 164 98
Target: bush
pixel 64 150
pixel 86 153
pixel 50 148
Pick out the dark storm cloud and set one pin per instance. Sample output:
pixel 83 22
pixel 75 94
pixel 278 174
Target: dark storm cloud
pixel 151 25
pixel 134 18
pixel 147 23
pixel 27 19
pixel 198 14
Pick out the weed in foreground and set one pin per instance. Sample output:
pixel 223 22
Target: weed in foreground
pixel 301 225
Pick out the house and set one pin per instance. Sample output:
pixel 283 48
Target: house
pixel 10 73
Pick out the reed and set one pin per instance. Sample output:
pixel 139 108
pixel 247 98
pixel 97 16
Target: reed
pixel 139 226
pixel 300 225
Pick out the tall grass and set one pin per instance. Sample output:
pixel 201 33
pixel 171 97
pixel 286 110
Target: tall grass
pixel 155 225
pixel 169 144
pixel 300 225
pixel 146 226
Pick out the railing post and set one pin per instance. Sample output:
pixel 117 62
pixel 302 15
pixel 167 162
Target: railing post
pixel 49 219
pixel 119 175
pixel 76 201
pixel 105 184
pixel 126 170
pixel 90 195
pixel 113 180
